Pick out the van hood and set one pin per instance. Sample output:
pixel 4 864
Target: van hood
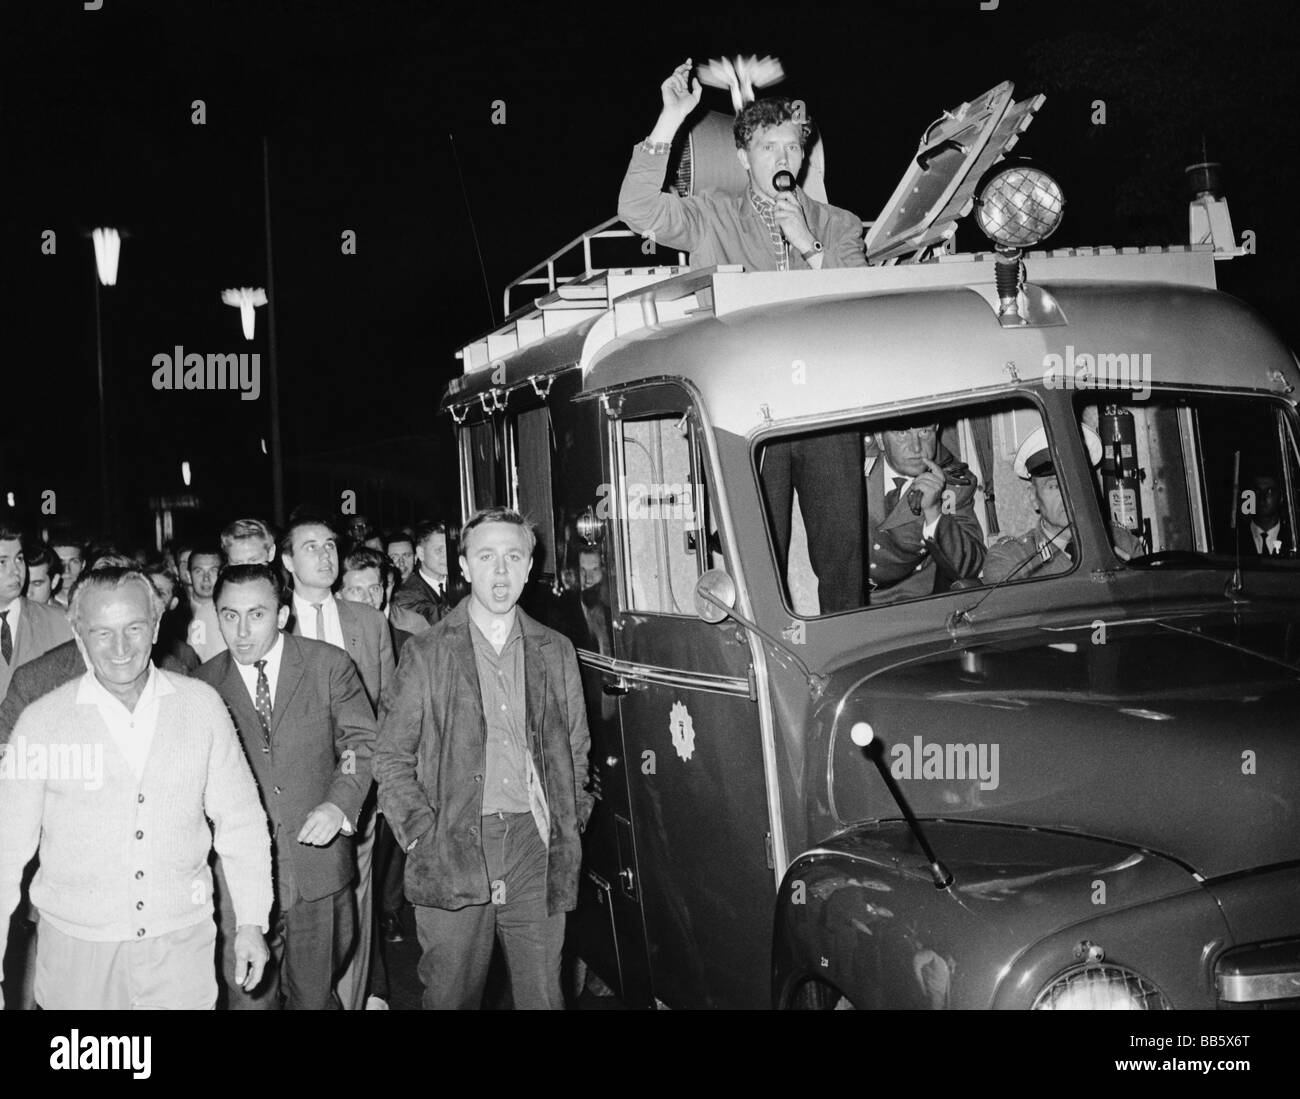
pixel 1178 736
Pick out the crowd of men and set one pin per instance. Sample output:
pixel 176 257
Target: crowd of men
pixel 228 768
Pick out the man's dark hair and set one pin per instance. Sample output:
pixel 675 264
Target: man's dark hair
pixel 249 574
pixel 206 549
pixel 427 528
pixel 762 113
pixel 301 519
pixel 10 531
pixel 364 557
pixel 44 555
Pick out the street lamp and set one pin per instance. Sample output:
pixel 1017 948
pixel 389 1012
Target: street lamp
pixel 245 298
pixel 108 250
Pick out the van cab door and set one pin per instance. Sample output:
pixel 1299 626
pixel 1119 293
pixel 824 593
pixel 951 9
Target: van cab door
pixel 691 731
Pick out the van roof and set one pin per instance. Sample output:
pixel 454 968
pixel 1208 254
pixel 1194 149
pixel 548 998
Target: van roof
pixel 785 346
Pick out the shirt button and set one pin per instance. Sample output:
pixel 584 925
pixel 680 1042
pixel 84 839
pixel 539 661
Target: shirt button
pixel 277 789
pixel 473 831
pixel 139 835
pixel 139 874
pixel 139 798
pixel 140 933
pixel 139 905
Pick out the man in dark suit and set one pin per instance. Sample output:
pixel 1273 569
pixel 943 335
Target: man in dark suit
pixel 308 731
pixel 922 531
pixel 1268 534
pixel 27 629
pixel 366 575
pixel 482 767
pixel 309 550
pixel 427 592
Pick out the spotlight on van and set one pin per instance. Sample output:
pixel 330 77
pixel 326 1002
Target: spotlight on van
pixel 1019 206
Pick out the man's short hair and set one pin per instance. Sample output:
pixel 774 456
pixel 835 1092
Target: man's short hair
pixel 426 529
pixel 498 515
pixel 364 557
pixel 762 113
pixel 161 567
pixel 10 531
pixel 399 535
pixel 206 549
pixel 302 519
pixel 247 530
pixel 110 578
pixel 44 555
pixel 248 574
pixel 66 538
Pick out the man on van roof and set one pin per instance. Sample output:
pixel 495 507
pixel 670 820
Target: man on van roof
pixel 764 228
pixel 767 229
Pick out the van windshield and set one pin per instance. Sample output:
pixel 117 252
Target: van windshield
pixel 886 511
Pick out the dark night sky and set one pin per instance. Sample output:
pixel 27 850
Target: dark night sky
pixel 358 101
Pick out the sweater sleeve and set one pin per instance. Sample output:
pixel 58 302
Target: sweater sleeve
pixel 240 831
pixel 665 218
pixel 845 248
pixel 22 804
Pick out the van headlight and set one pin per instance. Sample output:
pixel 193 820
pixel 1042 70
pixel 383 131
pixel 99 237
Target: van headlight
pixel 1101 988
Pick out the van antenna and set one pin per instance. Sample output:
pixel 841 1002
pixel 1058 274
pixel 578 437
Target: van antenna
pixel 470 214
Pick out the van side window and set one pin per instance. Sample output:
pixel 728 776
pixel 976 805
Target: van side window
pixel 483 460
pixel 531 484
pixel 660 497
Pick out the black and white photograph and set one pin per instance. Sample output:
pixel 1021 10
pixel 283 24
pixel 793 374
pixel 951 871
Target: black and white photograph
pixel 708 507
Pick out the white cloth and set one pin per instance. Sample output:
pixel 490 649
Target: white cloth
pixel 305 613
pixel 132 730
pixel 14 609
pixel 248 672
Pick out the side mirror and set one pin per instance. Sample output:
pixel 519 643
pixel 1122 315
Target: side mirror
pixel 715 596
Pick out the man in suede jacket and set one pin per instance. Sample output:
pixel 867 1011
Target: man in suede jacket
pixel 481 762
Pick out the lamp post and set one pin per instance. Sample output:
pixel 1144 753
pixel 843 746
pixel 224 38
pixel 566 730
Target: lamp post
pixel 108 248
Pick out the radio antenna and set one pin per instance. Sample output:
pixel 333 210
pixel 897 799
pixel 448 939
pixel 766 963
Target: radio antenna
pixel 470 214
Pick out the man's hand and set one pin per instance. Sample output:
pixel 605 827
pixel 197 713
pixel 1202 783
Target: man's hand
pixel 322 824
pixel 790 219
pixel 251 956
pixel 931 485
pixel 679 101
pixel 679 97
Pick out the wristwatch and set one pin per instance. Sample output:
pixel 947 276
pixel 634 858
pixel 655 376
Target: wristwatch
pixel 816 247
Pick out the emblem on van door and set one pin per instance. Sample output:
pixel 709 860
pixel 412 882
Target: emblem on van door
pixel 683 730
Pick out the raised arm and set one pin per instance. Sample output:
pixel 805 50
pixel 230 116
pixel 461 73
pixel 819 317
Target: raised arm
pixel 665 218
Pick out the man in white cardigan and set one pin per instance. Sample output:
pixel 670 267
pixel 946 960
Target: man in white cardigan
pixel 114 776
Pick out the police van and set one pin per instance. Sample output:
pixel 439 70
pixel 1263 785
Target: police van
pixel 1069 786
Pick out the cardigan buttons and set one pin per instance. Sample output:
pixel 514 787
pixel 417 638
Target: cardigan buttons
pixel 139 798
pixel 139 905
pixel 139 874
pixel 140 933
pixel 139 835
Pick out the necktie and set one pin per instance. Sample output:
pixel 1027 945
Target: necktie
pixel 891 497
pixel 320 621
pixel 262 703
pixel 6 637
